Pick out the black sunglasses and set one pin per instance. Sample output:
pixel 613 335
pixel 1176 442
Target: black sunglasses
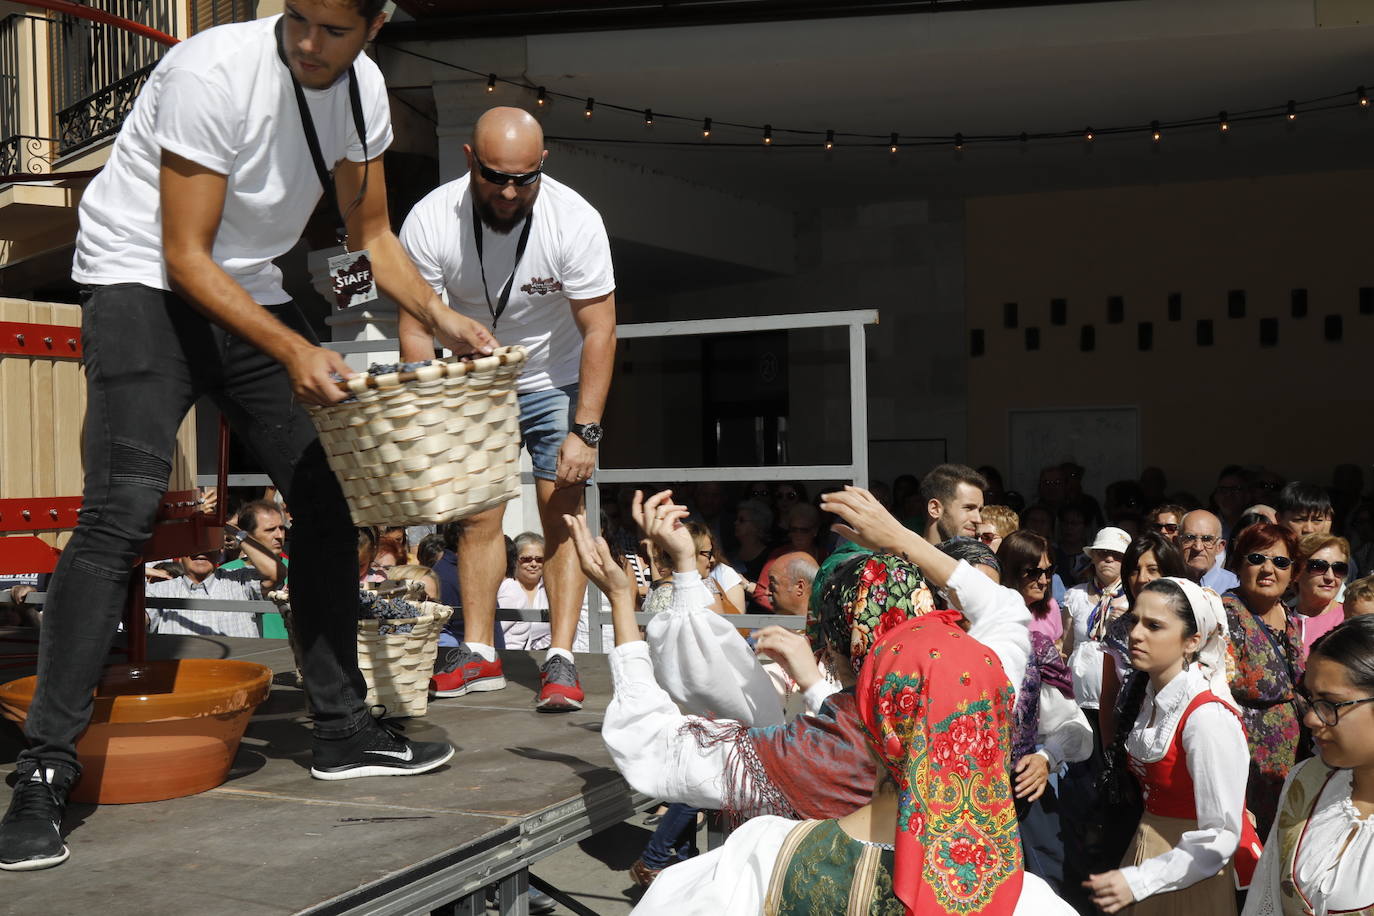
pixel 1257 559
pixel 1165 527
pixel 1340 568
pixel 1035 572
pixel 503 178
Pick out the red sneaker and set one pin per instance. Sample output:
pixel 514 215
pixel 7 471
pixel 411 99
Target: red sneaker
pixel 461 671
pixel 559 688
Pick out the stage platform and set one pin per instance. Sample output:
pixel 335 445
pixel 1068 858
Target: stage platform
pixel 272 840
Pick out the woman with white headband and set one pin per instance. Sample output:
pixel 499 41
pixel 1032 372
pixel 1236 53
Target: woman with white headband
pixel 1187 749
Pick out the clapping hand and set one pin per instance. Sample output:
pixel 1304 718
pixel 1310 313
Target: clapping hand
pixel 792 651
pixel 865 521
pixel 598 563
pixel 664 522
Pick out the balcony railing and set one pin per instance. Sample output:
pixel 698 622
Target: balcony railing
pixel 25 130
pixel 98 70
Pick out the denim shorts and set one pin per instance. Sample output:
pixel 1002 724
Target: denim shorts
pixel 544 419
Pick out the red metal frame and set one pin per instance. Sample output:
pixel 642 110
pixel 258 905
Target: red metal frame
pixel 51 341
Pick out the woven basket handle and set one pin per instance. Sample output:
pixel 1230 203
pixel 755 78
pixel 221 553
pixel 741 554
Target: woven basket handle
pixel 441 368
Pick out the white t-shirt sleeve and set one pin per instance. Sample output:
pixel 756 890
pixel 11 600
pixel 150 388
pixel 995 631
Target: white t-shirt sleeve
pixel 197 120
pixel 586 256
pixel 376 114
pixel 420 240
pixel 725 576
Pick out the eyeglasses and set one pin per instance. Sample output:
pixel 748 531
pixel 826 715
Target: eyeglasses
pixel 787 495
pixel 987 537
pixel 706 554
pixel 1269 485
pixel 1035 572
pixel 1327 713
pixel 1339 568
pixel 1207 539
pixel 1165 527
pixel 1257 559
pixel 758 494
pixel 531 559
pixel 522 180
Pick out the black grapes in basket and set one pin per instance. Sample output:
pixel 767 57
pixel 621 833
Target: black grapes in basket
pixel 372 606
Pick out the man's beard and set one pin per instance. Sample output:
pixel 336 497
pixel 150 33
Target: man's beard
pixel 497 224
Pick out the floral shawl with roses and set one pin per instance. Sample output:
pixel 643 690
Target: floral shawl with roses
pixel 818 767
pixel 937 709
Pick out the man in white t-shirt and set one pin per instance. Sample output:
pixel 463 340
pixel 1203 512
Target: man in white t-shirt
pixel 214 173
pixel 512 247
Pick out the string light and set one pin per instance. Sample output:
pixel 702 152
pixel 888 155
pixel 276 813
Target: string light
pixel 768 135
pixel 706 129
pixel 1289 112
pixel 958 142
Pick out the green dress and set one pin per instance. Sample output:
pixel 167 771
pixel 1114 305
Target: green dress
pixel 822 871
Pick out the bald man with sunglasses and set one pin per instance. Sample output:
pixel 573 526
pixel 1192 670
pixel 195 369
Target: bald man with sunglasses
pixel 526 255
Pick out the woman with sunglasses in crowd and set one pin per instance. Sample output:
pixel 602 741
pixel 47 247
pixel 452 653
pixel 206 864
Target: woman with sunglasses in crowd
pixel 1181 733
pixel 1266 651
pixel 997 522
pixel 1323 564
pixel 1025 560
pixel 1320 853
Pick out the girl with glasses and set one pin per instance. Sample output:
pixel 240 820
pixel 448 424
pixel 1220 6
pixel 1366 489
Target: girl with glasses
pixel 1324 564
pixel 1181 735
pixel 1266 651
pixel 1320 854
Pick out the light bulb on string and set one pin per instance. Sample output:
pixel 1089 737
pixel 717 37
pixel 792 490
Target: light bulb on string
pixel 1223 123
pixel 648 117
pixel 1154 131
pixel 542 98
pixel 829 140
pixel 1361 97
pixel 958 142
pixel 591 105
pixel 706 129
pixel 1292 111
pixel 491 82
pixel 1087 134
pixel 768 135
pixel 892 144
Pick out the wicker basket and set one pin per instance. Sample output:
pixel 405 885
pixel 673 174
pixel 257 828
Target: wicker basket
pixel 396 666
pixel 434 445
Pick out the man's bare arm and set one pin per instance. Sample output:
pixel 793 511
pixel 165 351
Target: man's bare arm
pixel 595 318
pixel 192 198
pixel 423 315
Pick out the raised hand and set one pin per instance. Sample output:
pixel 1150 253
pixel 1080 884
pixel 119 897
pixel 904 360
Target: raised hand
pixel 866 522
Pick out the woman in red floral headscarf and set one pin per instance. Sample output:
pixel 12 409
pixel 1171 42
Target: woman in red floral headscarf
pixel 940 835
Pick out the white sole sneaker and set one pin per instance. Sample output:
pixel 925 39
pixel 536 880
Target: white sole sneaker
pixel 382 769
pixel 35 864
pixel 484 685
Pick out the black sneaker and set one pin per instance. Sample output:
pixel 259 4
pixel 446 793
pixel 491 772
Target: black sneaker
pixel 377 750
pixel 31 833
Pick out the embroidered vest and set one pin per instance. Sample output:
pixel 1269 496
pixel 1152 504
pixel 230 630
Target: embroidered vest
pixel 1303 794
pixel 1167 787
pixel 821 869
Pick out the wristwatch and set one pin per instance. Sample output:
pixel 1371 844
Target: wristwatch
pixel 589 433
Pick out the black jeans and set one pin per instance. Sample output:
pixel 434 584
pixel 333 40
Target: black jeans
pixel 148 357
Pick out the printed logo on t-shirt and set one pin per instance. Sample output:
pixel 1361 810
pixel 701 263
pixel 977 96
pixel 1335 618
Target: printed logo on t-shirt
pixel 541 285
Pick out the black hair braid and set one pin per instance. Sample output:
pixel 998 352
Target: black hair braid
pixel 1117 784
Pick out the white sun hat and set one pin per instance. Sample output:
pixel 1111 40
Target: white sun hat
pixel 1113 539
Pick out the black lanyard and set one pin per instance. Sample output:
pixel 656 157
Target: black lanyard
pixel 500 307
pixel 313 141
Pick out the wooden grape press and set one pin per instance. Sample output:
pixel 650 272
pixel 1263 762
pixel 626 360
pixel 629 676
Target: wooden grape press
pixel 42 408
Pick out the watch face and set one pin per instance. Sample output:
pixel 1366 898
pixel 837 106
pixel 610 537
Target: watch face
pixel 590 433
